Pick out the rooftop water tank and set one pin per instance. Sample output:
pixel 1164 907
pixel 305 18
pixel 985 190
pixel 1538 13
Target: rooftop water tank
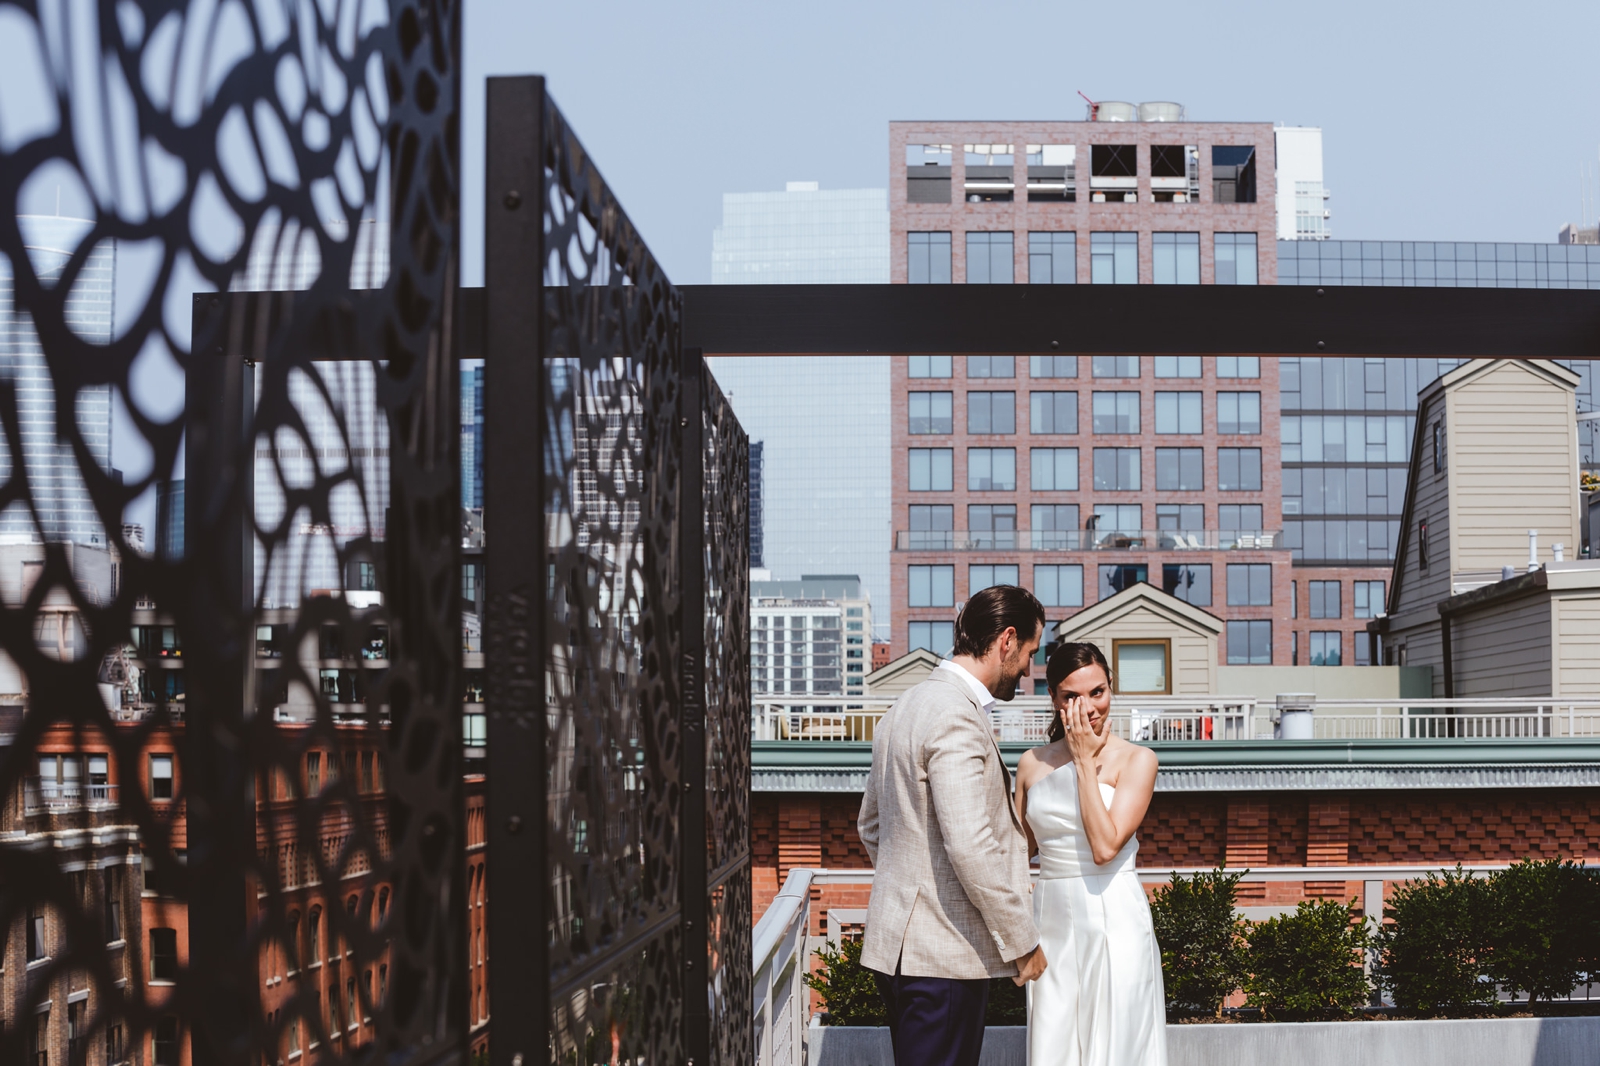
pixel 1160 111
pixel 1116 111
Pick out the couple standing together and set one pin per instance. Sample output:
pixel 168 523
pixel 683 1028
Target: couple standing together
pixel 951 845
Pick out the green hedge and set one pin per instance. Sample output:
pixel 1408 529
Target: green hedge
pixel 1449 942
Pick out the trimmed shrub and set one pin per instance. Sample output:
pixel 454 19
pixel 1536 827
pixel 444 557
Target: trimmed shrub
pixel 1201 939
pixel 1307 964
pixel 1435 948
pixel 1541 927
pixel 1008 1003
pixel 848 991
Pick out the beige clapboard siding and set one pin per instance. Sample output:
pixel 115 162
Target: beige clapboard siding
pixel 1504 651
pixel 1418 589
pixel 1194 655
pixel 1511 445
pixel 1577 622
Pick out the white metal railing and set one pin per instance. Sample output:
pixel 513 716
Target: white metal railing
pixel 1202 718
pixel 39 795
pixel 778 949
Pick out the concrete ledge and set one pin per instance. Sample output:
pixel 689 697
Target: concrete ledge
pixel 1466 1042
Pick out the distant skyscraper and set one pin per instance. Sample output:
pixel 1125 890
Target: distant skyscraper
pixel 65 511
pixel 757 554
pixel 472 436
pixel 1302 199
pixel 802 236
pixel 169 519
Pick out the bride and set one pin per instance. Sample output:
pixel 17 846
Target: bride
pixel 1081 797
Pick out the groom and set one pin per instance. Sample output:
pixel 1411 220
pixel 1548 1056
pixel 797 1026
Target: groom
pixel 950 904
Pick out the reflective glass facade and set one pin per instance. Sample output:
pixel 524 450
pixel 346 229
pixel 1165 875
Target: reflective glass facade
pixel 803 236
pixel 65 512
pixel 823 423
pixel 1442 264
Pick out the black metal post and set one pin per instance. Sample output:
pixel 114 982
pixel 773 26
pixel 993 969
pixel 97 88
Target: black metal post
pixel 692 714
pixel 514 563
pixel 218 772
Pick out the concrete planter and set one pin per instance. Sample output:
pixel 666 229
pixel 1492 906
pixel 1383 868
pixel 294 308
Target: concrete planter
pixel 1466 1042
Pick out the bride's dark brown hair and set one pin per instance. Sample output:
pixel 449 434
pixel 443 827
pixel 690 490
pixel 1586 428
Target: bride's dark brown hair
pixel 1065 661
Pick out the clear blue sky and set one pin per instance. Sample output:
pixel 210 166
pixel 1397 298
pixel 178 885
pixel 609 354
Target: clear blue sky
pixel 1442 121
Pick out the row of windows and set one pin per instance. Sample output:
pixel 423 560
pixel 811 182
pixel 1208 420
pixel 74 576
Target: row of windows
pixel 1051 173
pixel 1324 599
pixel 1063 517
pixel 1061 585
pixel 1347 438
pixel 932 413
pixel 1337 490
pixel 1372 540
pixel 1056 469
pixel 1249 642
pixel 1053 258
pixel 1100 366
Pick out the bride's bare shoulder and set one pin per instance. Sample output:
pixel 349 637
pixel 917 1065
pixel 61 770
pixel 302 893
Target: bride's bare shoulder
pixel 1035 763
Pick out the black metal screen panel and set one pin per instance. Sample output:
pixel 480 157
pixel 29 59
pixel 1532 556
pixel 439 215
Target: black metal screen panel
pixel 613 564
pixel 231 760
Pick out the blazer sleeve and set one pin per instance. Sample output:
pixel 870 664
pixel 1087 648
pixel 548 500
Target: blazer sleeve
pixel 867 824
pixel 956 783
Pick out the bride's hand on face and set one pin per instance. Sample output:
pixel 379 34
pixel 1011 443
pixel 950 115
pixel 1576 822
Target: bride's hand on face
pixel 1083 740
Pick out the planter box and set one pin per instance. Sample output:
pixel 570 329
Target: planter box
pixel 1466 1042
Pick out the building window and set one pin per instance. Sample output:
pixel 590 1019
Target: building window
pixel 1174 173
pixel 1422 545
pixel 163 954
pixel 1239 469
pixel 991 469
pixel 1175 258
pixel 929 412
pixel 1240 517
pixel 991 173
pixel 1116 412
pixel 38 944
pixel 116 1046
pixel 1250 643
pixel 1142 667
pixel 1053 412
pixel 984 575
pixel 1179 412
pixel 1113 174
pixel 932 586
pixel 1361 649
pixel 931 526
pixel 931 469
pixel 1052 258
pixel 314 766
pixel 1249 584
pixel 928 258
pixel 1438 446
pixel 937 637
pixel 1116 469
pixel 991 412
pixel 1233 173
pixel 928 173
pixel 1112 518
pixel 1181 517
pixel 111 893
pixel 1178 366
pixel 1368 599
pixel 1238 366
pixel 1059 586
pixel 989 259
pixel 1236 259
pixel 991 366
pixel 1239 412
pixel 1052 366
pixel 1325 648
pixel 1054 525
pixel 1115 366
pixel 1180 469
pixel 1054 470
pixel 1052 173
pixel 39 1039
pixel 1114 258
pixel 992 526
pixel 161 777
pixel 1115 578
pixel 928 366
pixel 1189 583
pixel 1323 597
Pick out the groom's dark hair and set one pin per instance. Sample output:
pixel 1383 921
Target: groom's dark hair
pixel 990 613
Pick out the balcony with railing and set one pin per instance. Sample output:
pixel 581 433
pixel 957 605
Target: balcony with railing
pixel 53 797
pixel 1071 540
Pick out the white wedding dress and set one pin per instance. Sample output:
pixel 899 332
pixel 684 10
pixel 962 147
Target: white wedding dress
pixel 1100 1001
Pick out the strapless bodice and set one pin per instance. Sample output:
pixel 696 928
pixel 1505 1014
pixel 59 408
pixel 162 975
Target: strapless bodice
pixel 1057 824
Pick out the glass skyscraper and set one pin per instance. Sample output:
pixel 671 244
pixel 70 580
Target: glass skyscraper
pixel 472 433
pixel 65 511
pixel 802 236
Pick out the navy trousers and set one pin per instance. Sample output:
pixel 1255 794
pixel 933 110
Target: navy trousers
pixel 934 1021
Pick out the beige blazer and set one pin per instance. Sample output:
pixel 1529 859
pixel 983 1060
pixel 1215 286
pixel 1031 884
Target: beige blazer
pixel 950 895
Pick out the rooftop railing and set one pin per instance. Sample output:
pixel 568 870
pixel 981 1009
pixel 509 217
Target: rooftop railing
pixel 778 946
pixel 1072 540
pixel 1211 718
